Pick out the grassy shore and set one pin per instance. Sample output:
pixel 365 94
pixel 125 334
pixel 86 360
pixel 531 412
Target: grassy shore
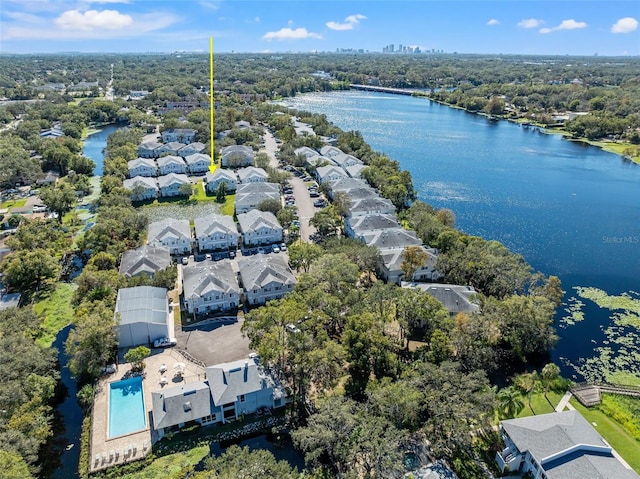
pixel 55 310
pixel 539 404
pixel 616 435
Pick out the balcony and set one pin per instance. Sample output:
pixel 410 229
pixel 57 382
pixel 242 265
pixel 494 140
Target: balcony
pixel 509 458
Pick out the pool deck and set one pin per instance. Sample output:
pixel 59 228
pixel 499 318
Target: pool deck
pixel 107 452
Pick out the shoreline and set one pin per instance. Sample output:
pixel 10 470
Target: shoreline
pixel 608 146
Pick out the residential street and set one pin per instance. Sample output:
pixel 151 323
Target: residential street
pixel 304 202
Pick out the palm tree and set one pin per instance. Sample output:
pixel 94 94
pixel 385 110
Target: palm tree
pixel 510 402
pixel 527 384
pixel 549 374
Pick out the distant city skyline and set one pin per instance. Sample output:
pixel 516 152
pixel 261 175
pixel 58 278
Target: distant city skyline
pixel 563 27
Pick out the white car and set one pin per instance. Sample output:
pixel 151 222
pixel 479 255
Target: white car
pixel 276 248
pixel 164 342
pixel 185 260
pixel 283 247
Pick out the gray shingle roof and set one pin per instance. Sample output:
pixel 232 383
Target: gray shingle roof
pixel 209 276
pixel 456 298
pixel 180 404
pixel 171 178
pixel 251 171
pixel 170 227
pixel 255 219
pixel 547 434
pixel 375 221
pixel 144 181
pixel 214 223
pixel 170 159
pixel 371 204
pixel 230 380
pixel 196 158
pixel 142 304
pixel 148 162
pixel 221 173
pixel 259 271
pixel 146 259
pixel 392 238
pixel 254 193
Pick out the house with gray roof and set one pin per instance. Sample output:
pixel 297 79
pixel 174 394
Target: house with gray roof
pixel 317 161
pixel 346 184
pixel 344 160
pixel 191 149
pixel 259 228
pixel 142 316
pixel 357 226
pixel 172 233
pixel 221 175
pixel 142 167
pixel 142 188
pixel 397 237
pixel 149 149
pixel 198 163
pixel 170 184
pixel 558 445
pixel 210 286
pixel 325 174
pixel 306 152
pixel 231 390
pixel 391 265
pixel 331 151
pixel 179 405
pixel 251 174
pixel 373 205
pixel 216 232
pixel 236 155
pixel 454 297
pixel 147 260
pixel 183 135
pixel 355 171
pixel 250 195
pixel 171 164
pixel 265 277
pixel 170 148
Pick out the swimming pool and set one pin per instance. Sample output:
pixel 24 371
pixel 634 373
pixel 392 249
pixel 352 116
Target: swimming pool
pixel 126 407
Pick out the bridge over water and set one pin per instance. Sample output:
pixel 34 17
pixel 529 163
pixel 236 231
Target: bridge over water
pixel 382 89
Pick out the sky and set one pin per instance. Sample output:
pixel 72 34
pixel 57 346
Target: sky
pixel 560 27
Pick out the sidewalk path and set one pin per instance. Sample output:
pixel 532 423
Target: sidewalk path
pixel 564 402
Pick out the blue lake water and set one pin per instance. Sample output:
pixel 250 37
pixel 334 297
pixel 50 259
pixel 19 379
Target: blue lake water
pixel 571 210
pixel 95 143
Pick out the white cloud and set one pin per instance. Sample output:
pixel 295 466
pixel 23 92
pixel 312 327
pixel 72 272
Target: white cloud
pixel 570 24
pixel 493 21
pixel 530 23
pixel 107 1
pixel 349 22
pixel 625 25
pixel 93 20
pixel 210 5
pixel 91 24
pixel 291 34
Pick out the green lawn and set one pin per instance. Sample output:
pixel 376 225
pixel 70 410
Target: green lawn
pixel 539 404
pixel 55 311
pixel 13 203
pixel 228 206
pixel 172 465
pixel 613 433
pixel 200 194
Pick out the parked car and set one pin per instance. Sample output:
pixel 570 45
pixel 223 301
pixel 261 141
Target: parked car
pixel 232 254
pixel 276 248
pixel 283 247
pixel 185 260
pixel 261 250
pixel 320 203
pixel 292 328
pixel 164 342
pixel 207 257
pixel 314 194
